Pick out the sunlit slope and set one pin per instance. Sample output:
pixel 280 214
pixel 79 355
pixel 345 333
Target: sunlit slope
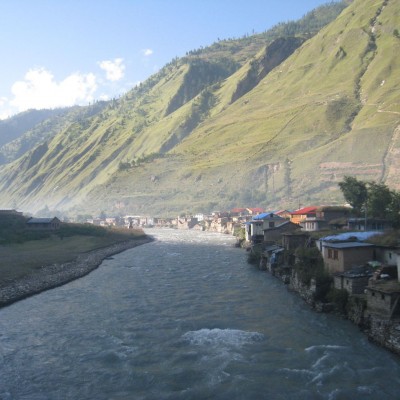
pixel 336 100
pixel 265 120
pixel 330 109
pixel 88 151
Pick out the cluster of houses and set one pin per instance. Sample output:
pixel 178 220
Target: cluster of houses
pixel 356 265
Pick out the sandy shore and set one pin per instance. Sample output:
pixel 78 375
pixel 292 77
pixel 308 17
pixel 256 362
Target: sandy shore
pixel 51 276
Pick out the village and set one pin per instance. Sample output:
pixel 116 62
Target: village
pixel 359 258
pixel 335 262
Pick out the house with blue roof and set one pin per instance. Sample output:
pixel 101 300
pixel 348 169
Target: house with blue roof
pixel 347 250
pixel 255 228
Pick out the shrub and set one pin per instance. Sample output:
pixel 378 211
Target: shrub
pixel 339 297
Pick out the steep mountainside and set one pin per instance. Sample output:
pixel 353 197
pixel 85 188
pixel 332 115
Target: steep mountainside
pixel 26 130
pixel 274 125
pixel 13 129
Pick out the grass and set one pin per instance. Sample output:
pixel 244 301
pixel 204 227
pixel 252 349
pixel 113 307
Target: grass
pixel 319 106
pixel 21 259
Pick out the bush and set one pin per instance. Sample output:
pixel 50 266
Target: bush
pixel 339 297
pixel 254 255
pixel 309 264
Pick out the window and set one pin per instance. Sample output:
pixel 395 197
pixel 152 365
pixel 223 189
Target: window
pixel 333 254
pixel 271 224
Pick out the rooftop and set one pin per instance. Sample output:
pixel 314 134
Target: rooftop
pixel 305 210
pixel 349 235
pixel 348 245
pixel 40 220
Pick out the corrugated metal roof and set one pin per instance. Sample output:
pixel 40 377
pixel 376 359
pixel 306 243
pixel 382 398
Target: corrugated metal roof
pixel 347 245
pixel 347 235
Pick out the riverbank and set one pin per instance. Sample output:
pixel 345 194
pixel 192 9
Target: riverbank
pixel 51 276
pixel 380 328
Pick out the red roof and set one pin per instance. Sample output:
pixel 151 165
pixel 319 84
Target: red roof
pixel 305 210
pixel 238 210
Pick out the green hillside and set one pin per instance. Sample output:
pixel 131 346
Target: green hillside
pixel 270 120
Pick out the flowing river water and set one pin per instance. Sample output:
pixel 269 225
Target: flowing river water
pixel 184 317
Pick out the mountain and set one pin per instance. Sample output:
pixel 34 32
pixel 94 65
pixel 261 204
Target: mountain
pixel 14 128
pixel 23 132
pixel 271 120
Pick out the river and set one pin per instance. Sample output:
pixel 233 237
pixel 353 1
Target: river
pixel 184 317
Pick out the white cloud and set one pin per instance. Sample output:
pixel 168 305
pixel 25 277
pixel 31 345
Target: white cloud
pixel 114 69
pixel 40 90
pixel 147 52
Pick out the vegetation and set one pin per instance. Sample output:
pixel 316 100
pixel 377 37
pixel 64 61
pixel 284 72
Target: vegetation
pixel 254 255
pixel 310 266
pixel 23 251
pixel 309 109
pixel 373 199
pixel 339 297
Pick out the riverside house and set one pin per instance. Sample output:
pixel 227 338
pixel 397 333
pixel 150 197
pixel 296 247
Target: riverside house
pixel 324 217
pixel 383 299
pixel 255 228
pixel 345 251
pixel 302 214
pixel 275 233
pixel 353 281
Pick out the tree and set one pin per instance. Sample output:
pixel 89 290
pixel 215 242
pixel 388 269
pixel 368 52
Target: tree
pixel 355 193
pixel 379 200
pixel 376 199
pixel 394 209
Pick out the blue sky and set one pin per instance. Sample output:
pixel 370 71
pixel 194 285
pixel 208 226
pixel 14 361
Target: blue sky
pixel 59 53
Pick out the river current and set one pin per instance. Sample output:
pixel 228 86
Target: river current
pixel 184 317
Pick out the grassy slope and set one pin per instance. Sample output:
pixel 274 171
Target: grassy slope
pixel 316 109
pixel 287 115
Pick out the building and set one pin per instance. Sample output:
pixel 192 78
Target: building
pixel 383 299
pixel 284 214
pixel 342 256
pixel 255 228
pixel 44 223
pixel 255 211
pixel 353 281
pixel 6 211
pixel 291 241
pixel 302 214
pixel 187 222
pixel 321 218
pixel 369 224
pixel 275 234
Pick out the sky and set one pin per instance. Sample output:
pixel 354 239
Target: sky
pixel 58 53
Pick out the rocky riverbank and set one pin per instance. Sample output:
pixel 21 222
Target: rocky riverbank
pixel 51 276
